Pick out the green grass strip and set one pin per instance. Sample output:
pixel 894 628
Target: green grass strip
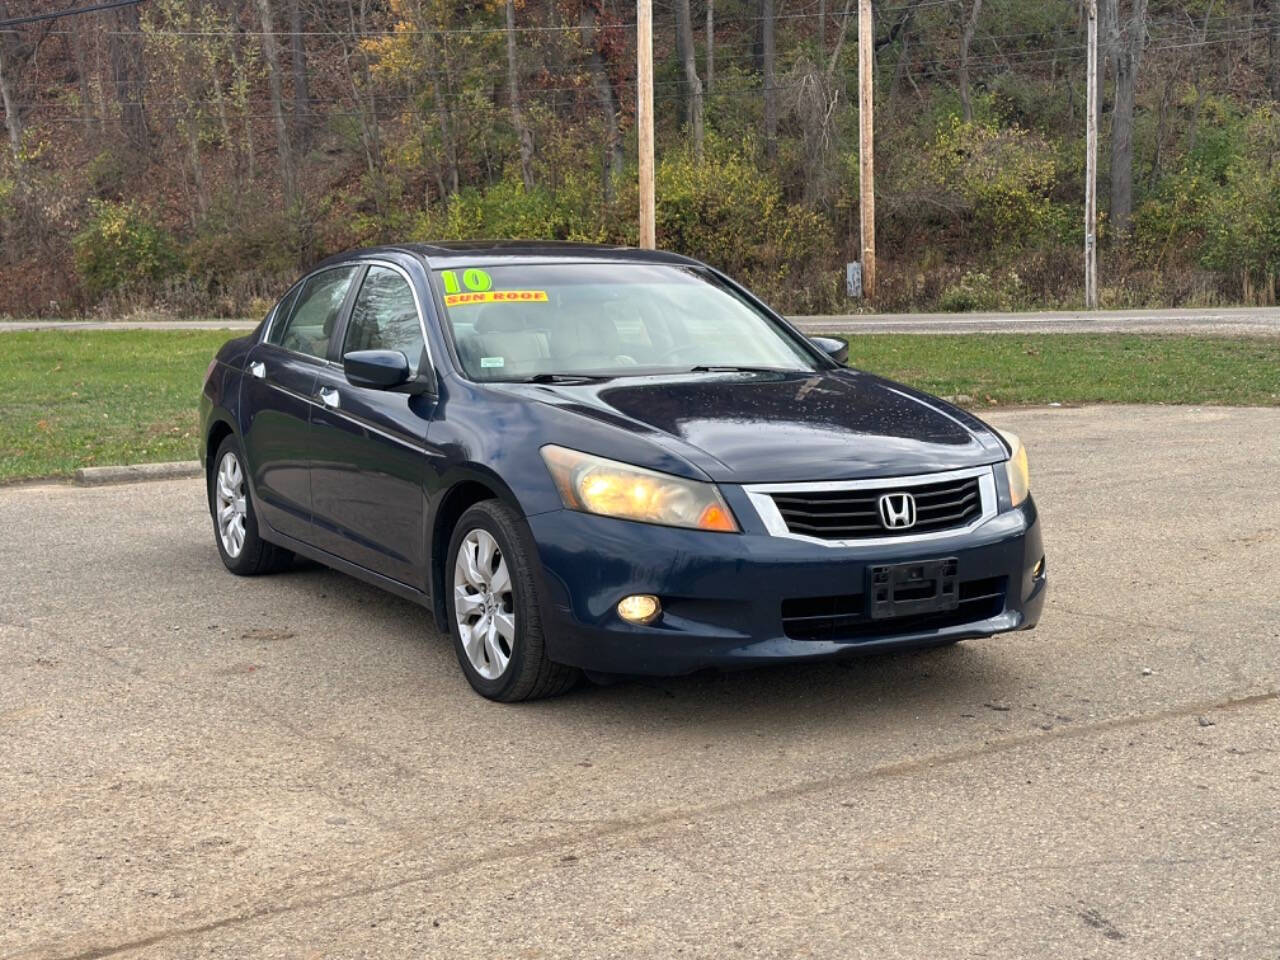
pixel 94 398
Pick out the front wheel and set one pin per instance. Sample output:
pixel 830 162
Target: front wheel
pixel 493 609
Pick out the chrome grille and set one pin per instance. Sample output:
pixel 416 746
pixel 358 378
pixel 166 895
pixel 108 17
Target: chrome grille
pixel 854 514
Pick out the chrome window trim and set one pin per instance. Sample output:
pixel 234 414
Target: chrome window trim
pixel 761 497
pixel 362 262
pixel 266 334
pixel 417 305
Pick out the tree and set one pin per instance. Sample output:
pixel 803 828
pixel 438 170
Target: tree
pixel 17 53
pixel 1273 51
pixel 768 57
pixel 75 46
pixel 604 96
pixel 129 76
pixel 693 100
pixel 12 119
pixel 966 38
pixel 711 44
pixel 1124 51
pixel 271 53
pixel 301 82
pixel 513 91
pixel 355 60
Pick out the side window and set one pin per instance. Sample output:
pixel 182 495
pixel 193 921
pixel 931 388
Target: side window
pixel 385 317
pixel 315 312
pixel 280 312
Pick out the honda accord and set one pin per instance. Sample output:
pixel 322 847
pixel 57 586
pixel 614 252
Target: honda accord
pixel 600 459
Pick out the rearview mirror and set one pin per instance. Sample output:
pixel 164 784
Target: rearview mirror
pixel 837 350
pixel 376 369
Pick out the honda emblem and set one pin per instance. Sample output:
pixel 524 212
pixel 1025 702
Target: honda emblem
pixel 897 511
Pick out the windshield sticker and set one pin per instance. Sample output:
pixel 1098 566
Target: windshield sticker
pixel 493 362
pixel 473 279
pixel 495 296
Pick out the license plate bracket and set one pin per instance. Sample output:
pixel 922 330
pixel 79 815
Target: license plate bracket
pixel 911 589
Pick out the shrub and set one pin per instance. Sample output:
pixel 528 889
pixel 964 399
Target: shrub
pixel 1242 218
pixel 976 290
pixel 506 210
pixel 122 250
pixel 1171 223
pixel 1000 179
pixel 728 212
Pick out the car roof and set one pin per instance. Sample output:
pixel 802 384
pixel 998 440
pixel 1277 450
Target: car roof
pixel 474 253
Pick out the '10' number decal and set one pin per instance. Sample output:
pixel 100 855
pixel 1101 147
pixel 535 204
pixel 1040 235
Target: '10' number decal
pixel 475 280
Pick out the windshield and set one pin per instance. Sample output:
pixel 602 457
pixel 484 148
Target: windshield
pixel 516 322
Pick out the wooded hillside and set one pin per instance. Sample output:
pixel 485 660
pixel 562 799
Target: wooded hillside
pixel 194 155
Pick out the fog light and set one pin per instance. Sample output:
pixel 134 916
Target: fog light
pixel 1038 569
pixel 639 608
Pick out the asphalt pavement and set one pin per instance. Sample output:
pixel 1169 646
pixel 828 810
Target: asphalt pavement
pixel 195 765
pixel 1221 321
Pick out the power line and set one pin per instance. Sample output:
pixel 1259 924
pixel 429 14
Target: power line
pixel 625 85
pixel 471 31
pixel 68 12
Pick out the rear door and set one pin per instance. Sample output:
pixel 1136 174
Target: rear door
pixel 369 446
pixel 276 395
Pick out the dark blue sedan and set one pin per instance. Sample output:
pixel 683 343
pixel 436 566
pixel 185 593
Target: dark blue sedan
pixel 608 460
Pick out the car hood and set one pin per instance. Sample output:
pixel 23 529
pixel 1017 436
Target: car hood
pixel 783 427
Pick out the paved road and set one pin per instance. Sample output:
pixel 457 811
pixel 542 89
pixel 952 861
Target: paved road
pixel 1257 321
pixel 193 765
pixel 23 326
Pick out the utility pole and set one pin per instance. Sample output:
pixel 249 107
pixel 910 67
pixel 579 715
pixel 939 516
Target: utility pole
pixel 866 150
pixel 644 120
pixel 1091 166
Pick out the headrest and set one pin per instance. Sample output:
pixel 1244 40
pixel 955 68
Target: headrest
pixel 499 318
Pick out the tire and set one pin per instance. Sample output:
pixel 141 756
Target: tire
pixel 505 656
pixel 243 552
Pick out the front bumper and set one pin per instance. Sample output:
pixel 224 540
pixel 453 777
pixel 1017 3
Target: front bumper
pixel 723 594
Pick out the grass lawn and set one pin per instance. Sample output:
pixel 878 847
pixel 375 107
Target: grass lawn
pixel 78 399
pixel 1075 368
pixel 70 399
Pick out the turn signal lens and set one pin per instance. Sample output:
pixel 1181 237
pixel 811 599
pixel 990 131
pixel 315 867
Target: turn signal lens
pixel 639 608
pixel 716 517
pixel 595 485
pixel 1016 467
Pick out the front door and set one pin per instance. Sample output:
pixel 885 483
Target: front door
pixel 276 395
pixel 368 446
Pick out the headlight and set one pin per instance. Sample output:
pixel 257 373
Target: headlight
pixel 596 485
pixel 1016 468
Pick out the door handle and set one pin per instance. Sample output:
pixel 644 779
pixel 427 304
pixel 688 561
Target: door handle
pixel 258 369
pixel 329 397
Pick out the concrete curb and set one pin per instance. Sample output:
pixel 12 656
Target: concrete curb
pixel 133 473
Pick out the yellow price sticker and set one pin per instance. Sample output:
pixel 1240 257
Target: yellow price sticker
pixel 495 296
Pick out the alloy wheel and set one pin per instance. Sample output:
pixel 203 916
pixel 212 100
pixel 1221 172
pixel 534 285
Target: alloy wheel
pixel 231 504
pixel 483 604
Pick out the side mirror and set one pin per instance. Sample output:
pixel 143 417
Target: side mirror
pixel 837 350
pixel 376 369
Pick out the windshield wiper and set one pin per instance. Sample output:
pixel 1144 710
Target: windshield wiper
pixel 564 378
pixel 735 368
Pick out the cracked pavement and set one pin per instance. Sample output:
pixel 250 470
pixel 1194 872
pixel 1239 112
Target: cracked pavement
pixel 194 765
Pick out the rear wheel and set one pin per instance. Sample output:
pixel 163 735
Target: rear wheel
pixel 235 525
pixel 493 609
